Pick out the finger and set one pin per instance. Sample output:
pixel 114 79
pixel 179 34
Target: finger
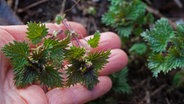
pixel 118 59
pixel 79 94
pixel 33 95
pixel 5 38
pixel 108 40
pixel 19 31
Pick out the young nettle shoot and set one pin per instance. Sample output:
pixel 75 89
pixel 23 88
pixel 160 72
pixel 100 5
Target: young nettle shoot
pixel 166 45
pixel 42 59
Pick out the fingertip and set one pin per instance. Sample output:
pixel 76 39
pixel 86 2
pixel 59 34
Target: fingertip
pixel 5 38
pixel 117 60
pixel 102 87
pixel 109 40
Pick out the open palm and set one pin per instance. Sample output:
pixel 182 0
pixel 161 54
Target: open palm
pixel 77 94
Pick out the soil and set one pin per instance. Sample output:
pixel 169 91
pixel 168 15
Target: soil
pixel 145 88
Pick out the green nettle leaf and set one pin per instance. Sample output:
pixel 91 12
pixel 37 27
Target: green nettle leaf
pixel 180 30
pixel 90 78
pixel 55 50
pixel 124 31
pixel 39 56
pixel 138 48
pixel 159 36
pixel 25 76
pixel 59 19
pixel 75 72
pixel 36 31
pixel 75 53
pixel 18 53
pixel 167 47
pixel 98 59
pixel 50 77
pixel 157 63
pixel 126 19
pixel 85 71
pixel 178 44
pixel 82 72
pixel 93 42
pixel 175 59
pixel 74 76
pixel 108 18
pixel 117 2
pixel 137 9
pixel 50 43
pixel 119 80
pixel 178 79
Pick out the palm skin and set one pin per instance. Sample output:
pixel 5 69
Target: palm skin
pixel 77 94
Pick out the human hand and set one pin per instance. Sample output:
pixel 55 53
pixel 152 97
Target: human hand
pixel 77 94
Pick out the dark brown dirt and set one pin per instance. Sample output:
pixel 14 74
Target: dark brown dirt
pixel 146 89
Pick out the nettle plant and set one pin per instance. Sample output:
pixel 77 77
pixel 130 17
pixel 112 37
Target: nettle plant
pixel 166 45
pixel 53 62
pixel 127 16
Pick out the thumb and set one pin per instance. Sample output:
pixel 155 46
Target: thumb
pixel 5 38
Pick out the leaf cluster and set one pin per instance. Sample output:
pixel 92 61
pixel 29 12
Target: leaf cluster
pixel 138 48
pixel 126 16
pixel 167 46
pixel 120 82
pixel 119 86
pixel 41 59
pixel 178 80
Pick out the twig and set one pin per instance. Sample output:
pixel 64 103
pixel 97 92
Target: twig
pixel 76 3
pixel 158 14
pixel 31 6
pixel 158 89
pixel 178 2
pixel 148 95
pixel 148 1
pixel 16 5
pixel 62 7
pixel 140 84
pixel 94 23
pixel 167 100
pixel 146 99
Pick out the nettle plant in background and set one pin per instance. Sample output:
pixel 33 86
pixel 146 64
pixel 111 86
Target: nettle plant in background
pixel 167 48
pixel 50 61
pixel 165 45
pixel 129 18
pixel 160 49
